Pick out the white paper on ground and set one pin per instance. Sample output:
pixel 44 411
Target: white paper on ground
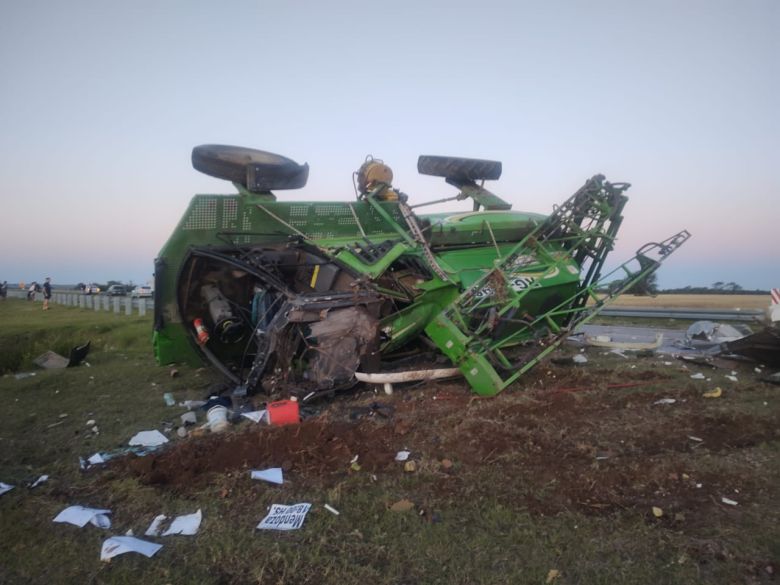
pixel 118 545
pixel 284 517
pixel 156 526
pixel 402 455
pixel 665 401
pixel 96 459
pixel 579 359
pixel 148 439
pixel 272 475
pixel 80 516
pixel 39 481
pixel 697 376
pixel 5 487
pixel 255 416
pixel 186 525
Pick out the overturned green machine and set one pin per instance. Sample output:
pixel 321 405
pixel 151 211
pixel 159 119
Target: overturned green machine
pixel 306 298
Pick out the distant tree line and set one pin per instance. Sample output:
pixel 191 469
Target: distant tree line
pixel 648 286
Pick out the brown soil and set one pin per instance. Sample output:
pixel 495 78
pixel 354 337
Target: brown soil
pixel 591 440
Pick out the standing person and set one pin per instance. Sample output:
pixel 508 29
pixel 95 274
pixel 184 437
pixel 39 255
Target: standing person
pixel 4 289
pixel 46 293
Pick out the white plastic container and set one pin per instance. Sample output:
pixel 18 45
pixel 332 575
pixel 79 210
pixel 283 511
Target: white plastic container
pixel 217 419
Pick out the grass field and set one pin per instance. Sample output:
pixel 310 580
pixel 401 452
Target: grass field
pixel 695 301
pixel 554 481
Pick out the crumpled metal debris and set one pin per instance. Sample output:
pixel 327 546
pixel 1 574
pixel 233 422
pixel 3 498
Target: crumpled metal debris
pixel 763 347
pixel 712 332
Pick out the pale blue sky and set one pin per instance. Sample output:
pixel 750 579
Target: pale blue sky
pixel 102 102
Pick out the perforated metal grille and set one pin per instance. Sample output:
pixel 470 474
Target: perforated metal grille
pixel 229 213
pixel 203 215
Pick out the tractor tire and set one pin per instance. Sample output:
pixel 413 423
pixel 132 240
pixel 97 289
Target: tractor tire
pixel 462 169
pixel 256 170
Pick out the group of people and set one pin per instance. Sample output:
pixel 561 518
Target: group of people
pixel 35 288
pixel 32 290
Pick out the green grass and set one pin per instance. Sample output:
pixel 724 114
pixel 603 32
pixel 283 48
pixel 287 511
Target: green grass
pixel 499 518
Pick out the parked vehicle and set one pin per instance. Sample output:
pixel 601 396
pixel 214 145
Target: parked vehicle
pixel 142 291
pixel 117 290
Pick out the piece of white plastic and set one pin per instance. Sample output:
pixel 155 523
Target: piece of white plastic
pixel 118 545
pixel 5 487
pixel 256 416
pixel 39 481
pixel 271 475
pixel 148 439
pixel 81 516
pixel 185 525
pixel 156 526
pixel 402 455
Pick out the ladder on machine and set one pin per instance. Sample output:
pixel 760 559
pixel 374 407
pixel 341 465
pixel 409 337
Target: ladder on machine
pixel 581 231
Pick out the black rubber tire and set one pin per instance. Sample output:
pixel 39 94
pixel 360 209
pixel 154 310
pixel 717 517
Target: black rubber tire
pixel 452 167
pixel 257 170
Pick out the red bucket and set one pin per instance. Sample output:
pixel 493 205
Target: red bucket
pixel 283 412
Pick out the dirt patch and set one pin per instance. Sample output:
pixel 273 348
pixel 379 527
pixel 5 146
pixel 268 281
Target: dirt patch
pixel 590 441
pixel 315 447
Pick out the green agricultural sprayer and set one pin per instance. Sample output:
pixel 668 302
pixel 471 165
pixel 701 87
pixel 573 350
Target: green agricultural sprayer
pixel 306 298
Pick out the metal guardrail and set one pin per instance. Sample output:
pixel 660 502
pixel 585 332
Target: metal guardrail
pixel 128 306
pixel 693 314
pixel 100 302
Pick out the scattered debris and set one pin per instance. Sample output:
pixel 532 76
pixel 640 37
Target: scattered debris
pixel 732 378
pixel 156 526
pixel 713 333
pixel 81 516
pixel 118 545
pixel 148 439
pixel 373 409
pixel 772 378
pixel 410 467
pixel 282 517
pixel 169 399
pixel 402 506
pixel 552 575
pixel 665 401
pixel 283 412
pixel 697 376
pixel 606 341
pixel 5 487
pixel 271 475
pixel 54 361
pixel 51 361
pixel 729 502
pixel 192 404
pixel 23 375
pixel 216 413
pixel 174 372
pixel 186 525
pixel 39 481
pixel 657 512
pixel 697 439
pixel 331 509
pixel 189 418
pixel 402 455
pixel 579 359
pixel 762 347
pixel 716 393
pixel 256 415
